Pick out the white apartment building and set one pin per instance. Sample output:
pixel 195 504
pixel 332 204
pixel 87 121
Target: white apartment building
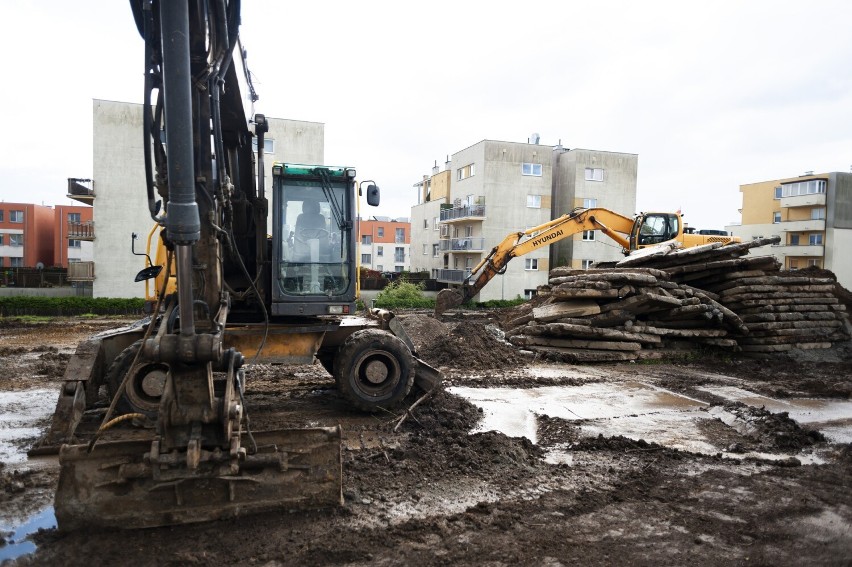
pixel 118 192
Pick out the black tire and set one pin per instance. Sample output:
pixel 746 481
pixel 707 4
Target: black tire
pixel 374 370
pixel 143 390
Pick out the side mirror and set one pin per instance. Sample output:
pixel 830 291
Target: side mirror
pixel 373 195
pixel 148 273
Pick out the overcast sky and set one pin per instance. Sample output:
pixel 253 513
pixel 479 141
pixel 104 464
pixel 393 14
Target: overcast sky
pixel 710 95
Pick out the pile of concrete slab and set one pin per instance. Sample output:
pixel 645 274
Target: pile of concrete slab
pixel 669 299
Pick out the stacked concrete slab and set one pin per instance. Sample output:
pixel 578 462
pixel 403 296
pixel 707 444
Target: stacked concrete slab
pixel 669 298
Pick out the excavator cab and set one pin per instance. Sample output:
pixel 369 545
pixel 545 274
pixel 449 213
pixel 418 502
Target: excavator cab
pixel 650 229
pixel 313 244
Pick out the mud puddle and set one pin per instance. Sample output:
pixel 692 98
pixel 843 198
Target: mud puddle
pixel 18 542
pixel 23 415
pixel 833 418
pixel 638 410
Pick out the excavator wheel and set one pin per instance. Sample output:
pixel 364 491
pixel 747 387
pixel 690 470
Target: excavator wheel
pixel 374 369
pixel 143 389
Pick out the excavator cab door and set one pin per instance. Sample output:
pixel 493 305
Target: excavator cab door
pixel 651 229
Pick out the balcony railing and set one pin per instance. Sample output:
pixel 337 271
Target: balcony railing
pixel 466 212
pixel 81 230
pixel 81 271
pixel 799 250
pixel 813 200
pixel 452 276
pixel 81 190
pixel 802 225
pixel 467 244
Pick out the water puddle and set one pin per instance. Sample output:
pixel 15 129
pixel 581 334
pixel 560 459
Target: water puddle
pixel 18 543
pixel 22 415
pixel 833 418
pixel 632 409
pixel 638 410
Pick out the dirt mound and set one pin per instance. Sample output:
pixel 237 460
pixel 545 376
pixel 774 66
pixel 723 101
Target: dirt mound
pixel 471 345
pixel 423 330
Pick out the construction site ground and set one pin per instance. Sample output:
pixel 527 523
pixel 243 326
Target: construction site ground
pixel 699 458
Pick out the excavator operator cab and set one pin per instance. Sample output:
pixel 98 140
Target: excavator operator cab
pixel 312 241
pixel 651 229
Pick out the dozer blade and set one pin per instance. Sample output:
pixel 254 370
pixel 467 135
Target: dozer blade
pixel 447 299
pixel 113 486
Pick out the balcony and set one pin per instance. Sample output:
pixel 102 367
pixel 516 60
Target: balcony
pixel 471 212
pixel 462 245
pixel 81 272
pixel 451 276
pixel 812 200
pixel 81 230
pixel 81 190
pixel 802 225
pixel 799 250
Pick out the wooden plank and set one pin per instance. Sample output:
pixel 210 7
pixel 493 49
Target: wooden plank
pixel 579 331
pixel 585 355
pixel 560 309
pixel 566 271
pixel 524 340
pixel 560 293
pixel 679 332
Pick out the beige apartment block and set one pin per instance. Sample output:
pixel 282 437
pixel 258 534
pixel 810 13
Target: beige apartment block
pixel 494 188
pixel 812 215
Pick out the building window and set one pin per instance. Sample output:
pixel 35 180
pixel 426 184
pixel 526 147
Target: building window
pixel 380 250
pixel 586 264
pixel 811 187
pixel 531 264
pixel 380 231
pixel 815 239
pixel 16 262
pixel 366 259
pixel 380 268
pixel 16 240
pixel 778 192
pixel 776 217
pixel 400 236
pixel 588 235
pixel 534 201
pixel 72 260
pixel 1 262
pixel 436 251
pixel 531 169
pixel 425 223
pixel 435 224
pixel 268 145
pixel 398 269
pixel 1 215
pixel 468 230
pixel 794 264
pixel 530 293
pixel 818 213
pixel 367 239
pixel 16 216
pixel 425 249
pixel 73 217
pixel 590 203
pixel 2 236
pixel 794 240
pixel 594 174
pixel 72 243
pixel 813 262
pixel 466 171
pixel 399 254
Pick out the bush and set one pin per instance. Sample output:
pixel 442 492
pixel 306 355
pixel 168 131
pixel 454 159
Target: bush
pixel 498 303
pixel 56 306
pixel 402 294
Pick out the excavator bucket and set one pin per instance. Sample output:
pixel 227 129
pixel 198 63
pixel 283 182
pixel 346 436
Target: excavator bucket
pixel 114 486
pixel 447 299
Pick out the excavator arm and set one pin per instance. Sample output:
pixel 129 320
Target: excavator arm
pixel 516 244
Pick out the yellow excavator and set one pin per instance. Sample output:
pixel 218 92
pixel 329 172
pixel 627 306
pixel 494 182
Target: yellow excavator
pixel 643 231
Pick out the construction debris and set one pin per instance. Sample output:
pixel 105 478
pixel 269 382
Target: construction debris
pixel 668 298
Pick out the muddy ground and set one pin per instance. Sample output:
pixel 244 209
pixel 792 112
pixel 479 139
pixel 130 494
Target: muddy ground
pixel 763 489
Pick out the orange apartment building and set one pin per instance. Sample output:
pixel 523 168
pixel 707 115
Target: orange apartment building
pixel 31 234
pixel 385 244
